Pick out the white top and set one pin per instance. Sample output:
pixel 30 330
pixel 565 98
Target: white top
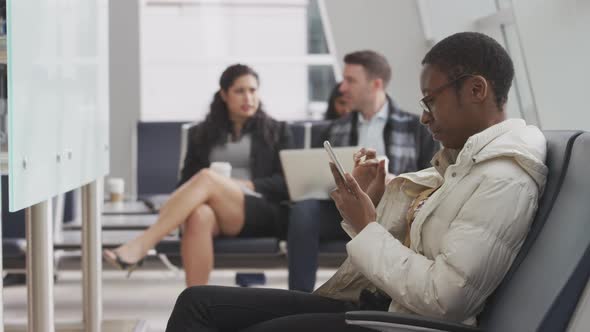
pixel 237 154
pixel 371 131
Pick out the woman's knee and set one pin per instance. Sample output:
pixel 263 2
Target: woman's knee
pixel 190 307
pixel 201 219
pixel 191 296
pixel 203 177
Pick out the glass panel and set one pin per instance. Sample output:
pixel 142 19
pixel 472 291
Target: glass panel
pixel 321 82
pixel 57 97
pixel 316 39
pixel 3 92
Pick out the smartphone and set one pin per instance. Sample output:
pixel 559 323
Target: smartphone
pixel 334 159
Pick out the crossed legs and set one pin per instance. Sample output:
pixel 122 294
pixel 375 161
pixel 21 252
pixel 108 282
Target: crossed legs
pixel 208 205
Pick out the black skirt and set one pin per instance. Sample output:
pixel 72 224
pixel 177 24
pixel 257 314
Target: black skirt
pixel 263 218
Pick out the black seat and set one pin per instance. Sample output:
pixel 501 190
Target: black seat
pixel 298 131
pixel 158 152
pixel 542 288
pixel 318 129
pixel 232 252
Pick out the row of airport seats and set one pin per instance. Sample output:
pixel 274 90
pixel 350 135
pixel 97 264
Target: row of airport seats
pixel 546 287
pixel 159 156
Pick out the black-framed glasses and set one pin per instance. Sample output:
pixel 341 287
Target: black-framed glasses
pixel 427 100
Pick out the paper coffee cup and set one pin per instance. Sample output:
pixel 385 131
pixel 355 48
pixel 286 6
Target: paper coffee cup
pixel 116 188
pixel 221 168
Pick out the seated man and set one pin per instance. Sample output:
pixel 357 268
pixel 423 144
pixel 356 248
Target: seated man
pixel 437 242
pixel 378 123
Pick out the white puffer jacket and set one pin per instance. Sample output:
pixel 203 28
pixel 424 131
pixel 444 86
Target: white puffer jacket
pixel 464 238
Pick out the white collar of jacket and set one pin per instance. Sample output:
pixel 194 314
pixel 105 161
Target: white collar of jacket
pixel 511 138
pixel 504 139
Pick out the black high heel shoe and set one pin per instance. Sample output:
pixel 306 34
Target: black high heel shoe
pixel 121 264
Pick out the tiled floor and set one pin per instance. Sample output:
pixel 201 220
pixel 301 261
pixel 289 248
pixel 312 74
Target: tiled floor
pixel 147 295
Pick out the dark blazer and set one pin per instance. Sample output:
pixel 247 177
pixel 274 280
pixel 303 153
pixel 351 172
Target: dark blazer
pixel 408 144
pixel 265 165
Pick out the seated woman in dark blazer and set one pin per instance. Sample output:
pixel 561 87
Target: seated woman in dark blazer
pixel 209 204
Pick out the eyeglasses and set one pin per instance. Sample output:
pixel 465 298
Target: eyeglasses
pixel 424 102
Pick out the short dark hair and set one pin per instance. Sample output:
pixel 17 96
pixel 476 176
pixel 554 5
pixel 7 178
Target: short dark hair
pixel 375 64
pixel 474 53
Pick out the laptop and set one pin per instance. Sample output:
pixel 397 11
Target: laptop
pixel 307 171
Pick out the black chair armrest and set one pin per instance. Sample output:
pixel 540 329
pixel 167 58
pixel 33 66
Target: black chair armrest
pixel 391 321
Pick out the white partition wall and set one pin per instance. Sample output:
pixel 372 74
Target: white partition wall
pixel 58 97
pixel 556 47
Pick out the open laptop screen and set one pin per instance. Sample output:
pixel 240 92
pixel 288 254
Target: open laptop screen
pixel 308 174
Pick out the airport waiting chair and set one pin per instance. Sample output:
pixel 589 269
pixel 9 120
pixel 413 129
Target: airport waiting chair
pixel 541 290
pixel 580 320
pixel 158 152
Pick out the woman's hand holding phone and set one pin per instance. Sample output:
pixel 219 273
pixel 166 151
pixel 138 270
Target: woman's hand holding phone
pixel 370 173
pixel 354 205
pixel 365 167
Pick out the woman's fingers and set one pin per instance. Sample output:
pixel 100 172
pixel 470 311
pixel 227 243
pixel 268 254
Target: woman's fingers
pixel 354 186
pixel 364 154
pixel 381 170
pixel 337 177
pixel 369 163
pixel 335 195
pixel 341 182
pixel 371 154
pixel 358 156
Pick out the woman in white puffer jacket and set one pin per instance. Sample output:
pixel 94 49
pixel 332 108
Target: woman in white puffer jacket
pixel 437 242
pixel 465 236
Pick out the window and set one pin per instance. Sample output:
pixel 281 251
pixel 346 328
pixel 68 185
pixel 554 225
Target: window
pixel 186 44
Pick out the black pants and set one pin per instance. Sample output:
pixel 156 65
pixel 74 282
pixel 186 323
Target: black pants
pixel 310 221
pixel 216 308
